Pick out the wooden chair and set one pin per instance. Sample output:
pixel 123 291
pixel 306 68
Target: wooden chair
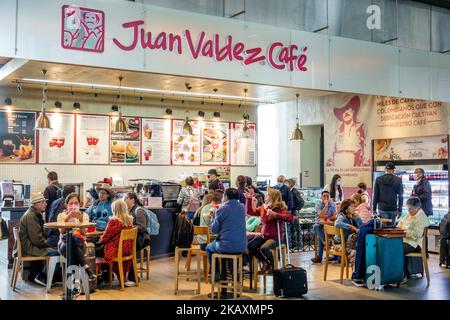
pixel 125 235
pixel 237 274
pixel 422 255
pixel 195 249
pixel 145 257
pixel 20 259
pixel 333 231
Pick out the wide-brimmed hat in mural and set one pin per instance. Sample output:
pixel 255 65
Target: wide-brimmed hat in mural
pixel 353 104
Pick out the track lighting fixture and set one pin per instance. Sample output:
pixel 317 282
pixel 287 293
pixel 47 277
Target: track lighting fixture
pixel 58 104
pixel 115 108
pixel 201 114
pixel 169 111
pixel 216 114
pixel 77 106
pixel 8 101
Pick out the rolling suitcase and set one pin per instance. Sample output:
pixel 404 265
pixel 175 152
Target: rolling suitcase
pixel 387 254
pixel 288 281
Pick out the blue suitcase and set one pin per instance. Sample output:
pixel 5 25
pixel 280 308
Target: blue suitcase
pixel 387 254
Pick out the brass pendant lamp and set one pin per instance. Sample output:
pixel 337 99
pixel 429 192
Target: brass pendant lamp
pixel 297 135
pixel 245 128
pixel 43 122
pixel 121 124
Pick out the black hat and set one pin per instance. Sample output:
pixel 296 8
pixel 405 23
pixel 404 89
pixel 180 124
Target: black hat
pixel 390 166
pixel 213 171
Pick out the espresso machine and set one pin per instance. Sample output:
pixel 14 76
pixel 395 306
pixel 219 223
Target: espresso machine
pixel 7 194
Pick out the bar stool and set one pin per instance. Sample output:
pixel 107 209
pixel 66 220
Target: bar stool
pixel 145 257
pixel 275 265
pixel 186 274
pixel 237 273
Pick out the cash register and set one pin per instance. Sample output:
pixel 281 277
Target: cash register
pixel 7 194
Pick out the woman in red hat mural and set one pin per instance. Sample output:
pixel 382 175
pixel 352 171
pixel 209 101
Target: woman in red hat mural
pixel 350 136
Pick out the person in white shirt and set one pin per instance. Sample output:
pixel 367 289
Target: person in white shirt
pixel 414 224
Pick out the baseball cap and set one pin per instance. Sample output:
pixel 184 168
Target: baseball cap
pixel 390 166
pixel 213 171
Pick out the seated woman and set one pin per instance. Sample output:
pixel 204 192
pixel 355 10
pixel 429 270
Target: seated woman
pixel 414 224
pixel 72 213
pixel 207 198
pixel 140 219
pixel 120 220
pixel 254 221
pixel 100 211
pixel 271 213
pixel 206 217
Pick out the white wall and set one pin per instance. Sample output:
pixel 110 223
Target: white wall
pixel 88 174
pixel 310 156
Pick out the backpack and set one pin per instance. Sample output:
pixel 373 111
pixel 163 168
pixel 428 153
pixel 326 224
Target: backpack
pixel 152 222
pixel 298 200
pixel 184 232
pixel 193 204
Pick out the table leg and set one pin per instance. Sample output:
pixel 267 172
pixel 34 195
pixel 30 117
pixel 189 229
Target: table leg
pixel 68 260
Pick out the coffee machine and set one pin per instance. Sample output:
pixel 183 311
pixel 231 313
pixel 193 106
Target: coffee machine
pixel 7 194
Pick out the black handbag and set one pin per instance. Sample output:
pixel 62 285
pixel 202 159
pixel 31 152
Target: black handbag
pixel 4 230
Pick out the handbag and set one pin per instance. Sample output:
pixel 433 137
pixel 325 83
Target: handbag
pixel 4 233
pixel 390 232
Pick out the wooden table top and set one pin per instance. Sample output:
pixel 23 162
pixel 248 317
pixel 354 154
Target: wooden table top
pixel 68 225
pixel 328 222
pixel 94 234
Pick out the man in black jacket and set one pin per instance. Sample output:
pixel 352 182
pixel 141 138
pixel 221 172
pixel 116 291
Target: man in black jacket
pixel 282 188
pixel 295 200
pixel 52 192
pixel 422 190
pixel 388 195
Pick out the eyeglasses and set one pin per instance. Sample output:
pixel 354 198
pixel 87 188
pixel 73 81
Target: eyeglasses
pixel 103 193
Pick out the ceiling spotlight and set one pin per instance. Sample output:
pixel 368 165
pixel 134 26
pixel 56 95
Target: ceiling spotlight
pixel 221 104
pixel 201 114
pixel 118 96
pixel 72 92
pixel 77 106
pixel 141 98
pixel 216 114
pixel 239 105
pixel 95 94
pixel 8 101
pixel 246 116
pixel 203 101
pixel 115 108
pixel 19 88
pixel 169 111
pixel 58 104
pixel 162 99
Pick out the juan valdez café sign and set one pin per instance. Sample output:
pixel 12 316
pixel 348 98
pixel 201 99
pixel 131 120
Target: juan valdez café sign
pixel 84 29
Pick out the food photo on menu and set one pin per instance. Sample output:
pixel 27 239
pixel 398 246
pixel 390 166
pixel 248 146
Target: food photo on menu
pixel 124 152
pixel 215 142
pixel 186 149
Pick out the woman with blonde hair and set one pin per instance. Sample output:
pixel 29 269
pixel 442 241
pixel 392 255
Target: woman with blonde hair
pixel 271 213
pixel 120 220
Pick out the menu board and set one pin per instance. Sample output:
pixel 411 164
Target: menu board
pixel 125 146
pixel 58 145
pixel 185 148
pixel 156 141
pixel 243 150
pixel 92 139
pixel 215 143
pixel 17 137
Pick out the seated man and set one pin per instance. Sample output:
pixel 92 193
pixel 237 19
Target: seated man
pixel 324 208
pixel 414 224
pixel 229 224
pixel 31 233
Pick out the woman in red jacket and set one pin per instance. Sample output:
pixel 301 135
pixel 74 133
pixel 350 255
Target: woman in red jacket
pixel 121 219
pixel 273 211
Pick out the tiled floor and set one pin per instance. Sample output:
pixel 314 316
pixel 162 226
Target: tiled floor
pixel 160 286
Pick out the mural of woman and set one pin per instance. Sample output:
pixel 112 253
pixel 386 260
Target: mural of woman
pixel 350 136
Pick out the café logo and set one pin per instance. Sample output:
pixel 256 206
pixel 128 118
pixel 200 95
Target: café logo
pixel 83 29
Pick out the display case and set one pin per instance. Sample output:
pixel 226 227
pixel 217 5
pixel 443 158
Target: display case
pixel 312 197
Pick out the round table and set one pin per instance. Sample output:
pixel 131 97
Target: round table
pixel 69 226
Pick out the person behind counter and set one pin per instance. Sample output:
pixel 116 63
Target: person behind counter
pixel 251 188
pixel 140 219
pixel 52 192
pixel 58 206
pixel 422 190
pixel 335 189
pixel 90 197
pixel 271 213
pixel 241 188
pixel 72 213
pixel 189 198
pixel 100 211
pixel 109 242
pixel 327 208
pixel 213 181
pixel 31 234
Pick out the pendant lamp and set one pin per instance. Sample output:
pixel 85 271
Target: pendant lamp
pixel 297 134
pixel 245 128
pixel 43 122
pixel 187 128
pixel 121 124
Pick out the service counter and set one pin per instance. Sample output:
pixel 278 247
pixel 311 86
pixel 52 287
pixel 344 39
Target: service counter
pixel 12 216
pixel 161 245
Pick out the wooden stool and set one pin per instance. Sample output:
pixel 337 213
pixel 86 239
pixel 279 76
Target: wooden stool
pixel 145 256
pixel 237 272
pixel 186 274
pixel 331 249
pixel 275 265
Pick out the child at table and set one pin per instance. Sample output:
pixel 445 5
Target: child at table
pixel 74 215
